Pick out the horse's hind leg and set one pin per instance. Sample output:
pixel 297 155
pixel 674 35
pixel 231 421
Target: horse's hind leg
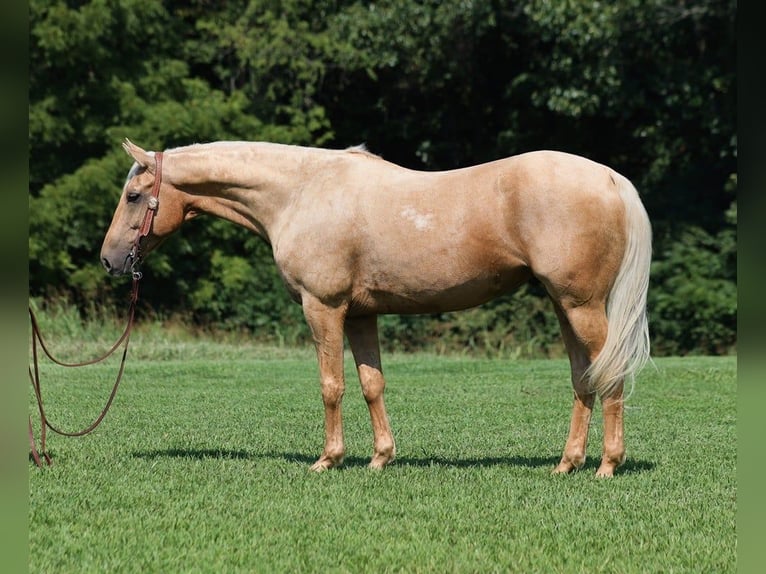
pixel 584 329
pixel 614 446
pixel 362 333
pixel 582 409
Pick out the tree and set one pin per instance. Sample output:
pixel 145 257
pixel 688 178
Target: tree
pixel 646 87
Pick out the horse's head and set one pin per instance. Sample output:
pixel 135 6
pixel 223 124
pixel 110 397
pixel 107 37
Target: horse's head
pixel 149 210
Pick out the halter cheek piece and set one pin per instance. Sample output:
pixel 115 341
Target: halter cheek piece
pixel 151 210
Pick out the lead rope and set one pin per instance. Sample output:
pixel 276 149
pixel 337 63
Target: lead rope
pixel 34 377
pixel 34 374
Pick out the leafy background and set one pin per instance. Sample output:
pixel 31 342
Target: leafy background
pixel 645 86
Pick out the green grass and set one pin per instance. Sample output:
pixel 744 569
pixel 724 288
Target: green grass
pixel 202 466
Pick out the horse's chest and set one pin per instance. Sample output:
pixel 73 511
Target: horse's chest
pixel 313 267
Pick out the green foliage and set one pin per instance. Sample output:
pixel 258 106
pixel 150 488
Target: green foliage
pixel 424 80
pixel 646 87
pixel 236 295
pixel 521 325
pixel 694 302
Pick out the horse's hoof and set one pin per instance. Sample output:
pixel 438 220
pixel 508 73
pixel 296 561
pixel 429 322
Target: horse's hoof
pixel 567 467
pixel 325 463
pixel 381 458
pixel 609 464
pixel 379 463
pixel 606 470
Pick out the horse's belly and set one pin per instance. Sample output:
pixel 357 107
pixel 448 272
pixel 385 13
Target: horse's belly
pixel 427 294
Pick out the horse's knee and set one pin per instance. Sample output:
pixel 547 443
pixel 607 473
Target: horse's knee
pixel 332 390
pixel 373 392
pixel 373 384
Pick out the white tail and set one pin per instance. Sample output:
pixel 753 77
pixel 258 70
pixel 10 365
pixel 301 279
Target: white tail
pixel 626 349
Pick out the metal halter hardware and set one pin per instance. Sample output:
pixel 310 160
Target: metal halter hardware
pixel 151 209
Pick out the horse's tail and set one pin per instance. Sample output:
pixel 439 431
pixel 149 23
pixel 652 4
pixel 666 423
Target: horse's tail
pixel 626 349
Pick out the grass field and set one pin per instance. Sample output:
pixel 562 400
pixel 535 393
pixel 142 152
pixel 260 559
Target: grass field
pixel 202 466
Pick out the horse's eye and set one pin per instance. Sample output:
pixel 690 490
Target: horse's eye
pixel 133 196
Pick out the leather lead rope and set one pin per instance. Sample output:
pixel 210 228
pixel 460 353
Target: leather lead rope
pixel 37 339
pixel 34 377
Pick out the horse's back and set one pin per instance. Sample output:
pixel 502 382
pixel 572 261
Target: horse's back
pixel 446 240
pixel 520 204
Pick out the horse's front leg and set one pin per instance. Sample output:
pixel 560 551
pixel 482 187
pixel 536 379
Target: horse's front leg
pixel 362 333
pixel 326 323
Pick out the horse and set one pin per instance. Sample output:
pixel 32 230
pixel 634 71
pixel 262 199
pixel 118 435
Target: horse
pixel 354 236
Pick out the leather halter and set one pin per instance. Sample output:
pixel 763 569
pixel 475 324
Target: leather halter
pixel 151 211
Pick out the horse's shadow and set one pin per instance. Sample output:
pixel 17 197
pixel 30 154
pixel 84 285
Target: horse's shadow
pixel 630 466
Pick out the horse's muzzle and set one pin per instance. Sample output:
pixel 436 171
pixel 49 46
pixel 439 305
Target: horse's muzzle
pixel 126 267
pixel 111 269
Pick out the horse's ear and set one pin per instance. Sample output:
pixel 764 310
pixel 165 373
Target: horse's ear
pixel 143 158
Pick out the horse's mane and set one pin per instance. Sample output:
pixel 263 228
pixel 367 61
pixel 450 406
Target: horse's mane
pixel 362 149
pixel 356 149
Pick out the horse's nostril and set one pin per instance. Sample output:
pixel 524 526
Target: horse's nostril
pixel 106 264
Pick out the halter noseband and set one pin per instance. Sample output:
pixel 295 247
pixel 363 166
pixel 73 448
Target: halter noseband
pixel 151 210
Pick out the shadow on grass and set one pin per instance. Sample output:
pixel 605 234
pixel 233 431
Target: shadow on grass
pixel 630 466
pixel 194 454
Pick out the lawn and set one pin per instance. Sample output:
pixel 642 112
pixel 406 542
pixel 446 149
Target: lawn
pixel 202 466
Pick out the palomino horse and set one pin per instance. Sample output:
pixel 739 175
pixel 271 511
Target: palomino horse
pixel 354 236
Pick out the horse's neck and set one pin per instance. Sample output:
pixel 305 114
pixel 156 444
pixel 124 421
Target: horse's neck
pixel 248 183
pixel 233 163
